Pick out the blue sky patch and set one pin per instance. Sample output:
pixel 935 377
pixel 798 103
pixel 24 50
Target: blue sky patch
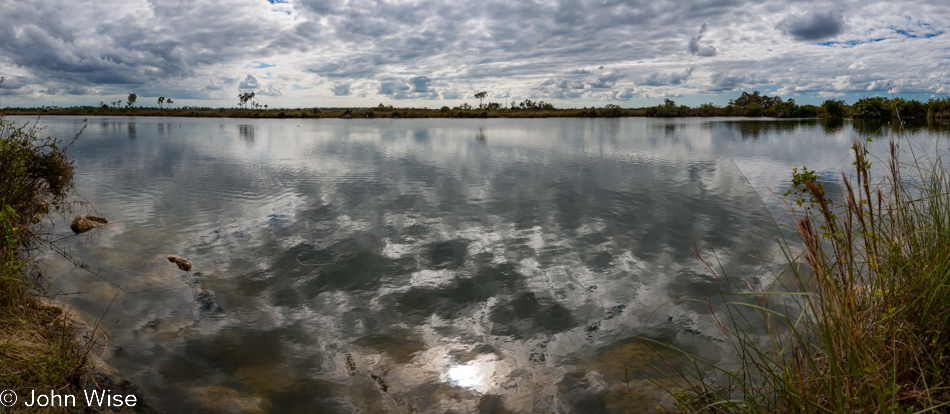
pixel 850 43
pixel 260 65
pixel 916 34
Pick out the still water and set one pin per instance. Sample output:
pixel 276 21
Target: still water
pixel 423 266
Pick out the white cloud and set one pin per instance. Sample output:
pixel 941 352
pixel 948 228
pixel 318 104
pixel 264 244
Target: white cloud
pixel 430 50
pixel 858 65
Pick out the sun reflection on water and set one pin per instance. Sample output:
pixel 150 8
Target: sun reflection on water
pixel 464 376
pixel 481 375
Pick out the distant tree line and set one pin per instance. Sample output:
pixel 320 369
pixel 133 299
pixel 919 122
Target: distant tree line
pixel 756 104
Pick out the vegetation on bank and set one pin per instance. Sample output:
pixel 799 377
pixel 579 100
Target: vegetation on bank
pixel 752 104
pixel 545 110
pixel 37 347
pixel 859 321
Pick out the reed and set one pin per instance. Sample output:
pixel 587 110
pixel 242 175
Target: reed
pixel 858 320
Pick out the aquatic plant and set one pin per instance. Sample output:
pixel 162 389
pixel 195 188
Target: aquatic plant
pixel 859 319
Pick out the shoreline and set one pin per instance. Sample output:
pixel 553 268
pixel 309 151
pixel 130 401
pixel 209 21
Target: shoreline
pixel 406 113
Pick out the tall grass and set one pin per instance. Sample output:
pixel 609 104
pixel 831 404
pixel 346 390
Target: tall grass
pixel 858 321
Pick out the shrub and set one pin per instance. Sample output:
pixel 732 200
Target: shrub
pixel 910 109
pixel 32 168
pixel 805 111
pixel 746 100
pixel 833 108
pixel 754 110
pixel 875 107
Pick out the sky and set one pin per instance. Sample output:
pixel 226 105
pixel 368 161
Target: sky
pixel 430 53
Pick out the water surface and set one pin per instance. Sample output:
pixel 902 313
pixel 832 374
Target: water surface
pixel 421 265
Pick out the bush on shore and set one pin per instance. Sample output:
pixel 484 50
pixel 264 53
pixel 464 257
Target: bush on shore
pixel 37 347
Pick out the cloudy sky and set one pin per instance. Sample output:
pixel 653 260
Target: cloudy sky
pixel 305 53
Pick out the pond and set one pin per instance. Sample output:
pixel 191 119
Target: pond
pixel 421 265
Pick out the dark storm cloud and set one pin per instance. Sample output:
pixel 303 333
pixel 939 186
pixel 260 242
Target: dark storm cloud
pixel 12 84
pixel 816 25
pixel 69 90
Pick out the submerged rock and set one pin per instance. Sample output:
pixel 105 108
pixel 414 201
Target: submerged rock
pixel 85 222
pixel 182 263
pixel 220 399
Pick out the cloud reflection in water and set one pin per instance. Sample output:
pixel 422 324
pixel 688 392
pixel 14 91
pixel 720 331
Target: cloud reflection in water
pixel 401 272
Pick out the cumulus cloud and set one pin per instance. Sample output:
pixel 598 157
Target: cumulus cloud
pixel 392 88
pixel 666 78
pixel 815 25
pixel 420 84
pixel 723 81
pixel 607 80
pixel 342 89
pixel 252 84
pixel 859 65
pixel 414 88
pixel 566 84
pixel 696 49
pixel 624 94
